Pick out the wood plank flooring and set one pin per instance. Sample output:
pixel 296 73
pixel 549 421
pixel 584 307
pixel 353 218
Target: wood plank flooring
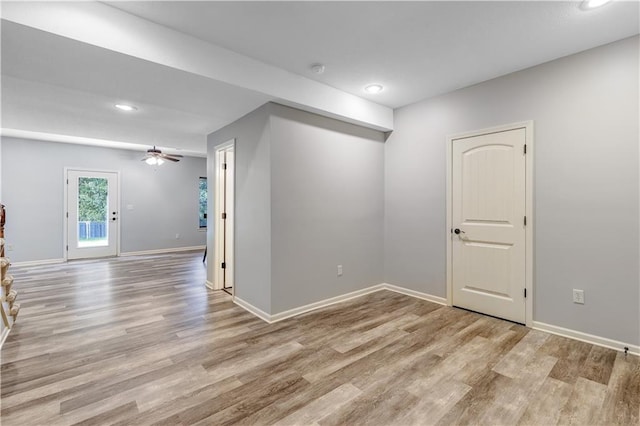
pixel 140 340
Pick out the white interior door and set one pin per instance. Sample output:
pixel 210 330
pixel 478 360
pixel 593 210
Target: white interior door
pixel 92 214
pixel 228 221
pixel 224 222
pixel 488 185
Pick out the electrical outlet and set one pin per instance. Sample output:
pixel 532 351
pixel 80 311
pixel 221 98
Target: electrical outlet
pixel 339 270
pixel 9 247
pixel 177 236
pixel 578 296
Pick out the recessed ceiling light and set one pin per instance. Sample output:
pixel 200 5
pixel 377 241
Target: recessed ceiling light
pixel 125 107
pixel 373 88
pixel 317 68
pixel 592 4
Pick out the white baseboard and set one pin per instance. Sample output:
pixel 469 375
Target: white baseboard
pixel 252 309
pixel 162 251
pixel 37 262
pixel 333 300
pixel 324 303
pixel 209 285
pixel 130 253
pixel 417 294
pixel 585 337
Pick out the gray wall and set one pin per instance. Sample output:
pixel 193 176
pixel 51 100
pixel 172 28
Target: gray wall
pixel 253 206
pixel 164 199
pixel 327 207
pixel 586 185
pixel 309 196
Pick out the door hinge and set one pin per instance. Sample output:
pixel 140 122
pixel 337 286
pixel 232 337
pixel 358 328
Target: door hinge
pixel 67 181
pixel 224 215
pixel 224 166
pixel 525 221
pixel 67 215
pixel 67 248
pixel 525 293
pixel 525 148
pixel 223 265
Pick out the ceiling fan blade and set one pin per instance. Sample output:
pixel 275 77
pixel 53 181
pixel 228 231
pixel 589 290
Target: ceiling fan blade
pixel 169 156
pixel 156 153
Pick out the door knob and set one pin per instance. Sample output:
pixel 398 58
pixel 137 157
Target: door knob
pixel 458 231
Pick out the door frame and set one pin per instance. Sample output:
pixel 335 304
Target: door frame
pixel 218 242
pixel 65 221
pixel 529 164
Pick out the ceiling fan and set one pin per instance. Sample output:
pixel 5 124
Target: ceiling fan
pixel 156 157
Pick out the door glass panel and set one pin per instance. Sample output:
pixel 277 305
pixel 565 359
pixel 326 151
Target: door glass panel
pixel 203 202
pixel 93 208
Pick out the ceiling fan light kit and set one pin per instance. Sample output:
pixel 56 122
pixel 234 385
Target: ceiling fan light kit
pixel 155 157
pixel 153 161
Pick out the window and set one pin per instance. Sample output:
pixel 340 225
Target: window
pixel 203 202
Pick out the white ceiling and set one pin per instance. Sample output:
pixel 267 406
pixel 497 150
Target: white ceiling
pixel 52 84
pixel 66 85
pixel 415 49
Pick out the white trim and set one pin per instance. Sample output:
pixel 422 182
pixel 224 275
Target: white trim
pixel 217 222
pixel 5 334
pixel 65 239
pixel 529 247
pixel 209 285
pixel 529 178
pixel 417 294
pixel 161 251
pixel 449 222
pixel 131 253
pixel 252 309
pixel 37 262
pixel 65 219
pixel 324 303
pixel 585 337
pixel 333 300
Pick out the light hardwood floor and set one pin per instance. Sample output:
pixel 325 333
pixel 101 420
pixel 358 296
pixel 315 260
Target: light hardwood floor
pixel 140 340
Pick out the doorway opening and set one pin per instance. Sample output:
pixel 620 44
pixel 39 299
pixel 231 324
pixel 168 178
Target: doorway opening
pixel 224 209
pixel 92 223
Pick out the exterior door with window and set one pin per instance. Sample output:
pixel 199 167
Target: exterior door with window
pixel 92 214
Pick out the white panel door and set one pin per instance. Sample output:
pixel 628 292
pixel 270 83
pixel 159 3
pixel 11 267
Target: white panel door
pixel 224 222
pixel 488 217
pixel 92 214
pixel 229 203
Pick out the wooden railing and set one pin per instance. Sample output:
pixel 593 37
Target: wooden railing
pixel 8 307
